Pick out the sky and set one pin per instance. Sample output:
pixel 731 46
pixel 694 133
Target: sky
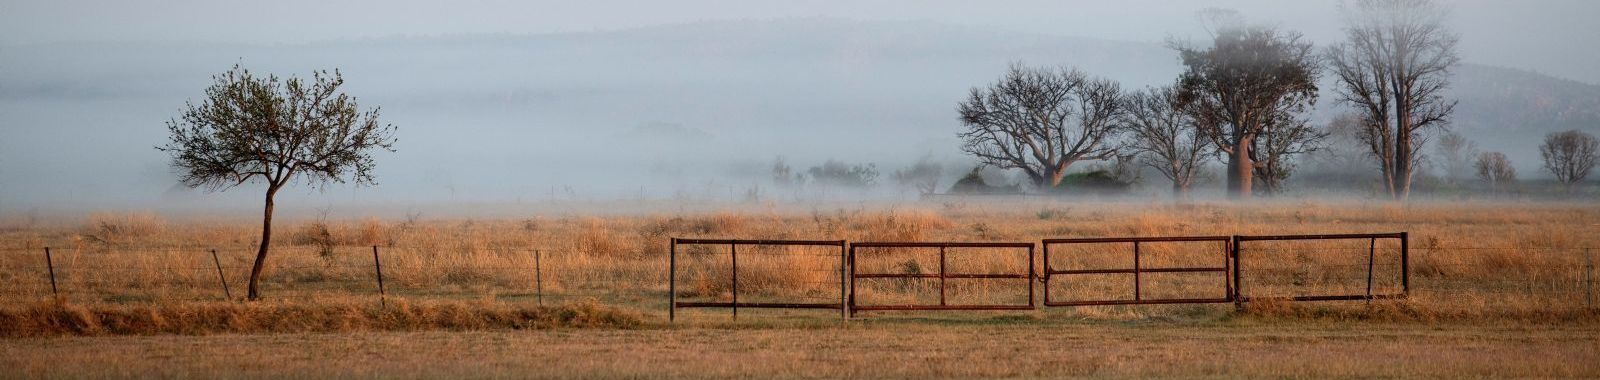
pixel 513 101
pixel 1534 34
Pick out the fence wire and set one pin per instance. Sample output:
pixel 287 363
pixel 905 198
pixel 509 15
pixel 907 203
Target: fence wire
pixel 1551 277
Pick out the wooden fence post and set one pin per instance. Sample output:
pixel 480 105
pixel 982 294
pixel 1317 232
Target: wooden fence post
pixel 538 276
pixel 51 266
pixel 1588 277
pixel 224 279
pixel 378 266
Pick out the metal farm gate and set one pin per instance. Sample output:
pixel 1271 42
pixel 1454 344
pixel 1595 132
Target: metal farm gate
pixel 1226 252
pixel 1404 264
pixel 1138 270
pixel 1025 274
pixel 733 253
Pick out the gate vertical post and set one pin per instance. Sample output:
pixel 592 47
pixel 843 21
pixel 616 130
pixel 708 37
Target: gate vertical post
pixel 941 276
pixel 1405 265
pixel 224 279
pixel 1031 277
pixel 1238 283
pixel 1136 295
pixel 1227 269
pixel 853 268
pixel 672 281
pixel 733 251
pixel 1045 279
pixel 844 310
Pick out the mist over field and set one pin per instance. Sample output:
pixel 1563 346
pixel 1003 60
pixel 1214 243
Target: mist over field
pixel 678 105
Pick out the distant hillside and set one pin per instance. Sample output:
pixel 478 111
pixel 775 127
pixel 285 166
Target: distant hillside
pixel 1497 100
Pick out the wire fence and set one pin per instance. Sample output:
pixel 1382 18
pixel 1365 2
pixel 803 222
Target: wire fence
pixel 1451 277
pixel 165 274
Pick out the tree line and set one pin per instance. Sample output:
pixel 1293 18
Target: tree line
pixel 1244 99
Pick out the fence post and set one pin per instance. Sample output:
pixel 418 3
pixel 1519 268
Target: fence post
pixel 672 281
pixel 853 268
pixel 1031 278
pixel 1227 269
pixel 378 266
pixel 51 266
pixel 733 251
pixel 1136 286
pixel 224 279
pixel 1238 281
pixel 1588 277
pixel 538 277
pixel 1044 272
pixel 941 276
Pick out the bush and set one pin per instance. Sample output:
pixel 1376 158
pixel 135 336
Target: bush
pixel 973 183
pixel 837 173
pixel 1097 181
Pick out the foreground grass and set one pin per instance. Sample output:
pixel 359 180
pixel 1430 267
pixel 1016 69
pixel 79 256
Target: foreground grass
pixel 1002 347
pixel 61 318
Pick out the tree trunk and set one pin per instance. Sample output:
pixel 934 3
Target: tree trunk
pixel 266 241
pixel 1386 163
pixel 1052 178
pixel 1180 191
pixel 1402 165
pixel 1241 170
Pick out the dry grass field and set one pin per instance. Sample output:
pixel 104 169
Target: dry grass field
pixel 1497 289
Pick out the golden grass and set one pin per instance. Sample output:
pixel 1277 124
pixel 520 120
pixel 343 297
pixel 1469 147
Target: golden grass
pixel 60 318
pixel 1469 261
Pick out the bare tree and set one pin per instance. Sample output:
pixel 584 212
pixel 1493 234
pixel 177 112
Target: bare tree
pixel 1165 138
pixel 1250 78
pixel 783 174
pixel 1041 121
pixel 1282 139
pixel 1569 155
pixel 922 176
pixel 1495 169
pixel 1393 67
pixel 251 128
pixel 1457 153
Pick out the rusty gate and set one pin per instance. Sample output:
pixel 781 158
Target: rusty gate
pixel 1372 246
pixel 1024 274
pixel 733 252
pixel 1138 270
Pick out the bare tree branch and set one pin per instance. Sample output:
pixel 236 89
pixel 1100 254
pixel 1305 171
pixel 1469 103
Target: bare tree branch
pixel 1041 121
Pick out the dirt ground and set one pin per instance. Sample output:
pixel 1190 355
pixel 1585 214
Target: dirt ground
pixel 1003 346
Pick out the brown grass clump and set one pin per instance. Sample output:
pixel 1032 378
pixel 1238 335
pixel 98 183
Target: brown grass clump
pixel 61 318
pixel 900 225
pixel 594 238
pixel 120 228
pixel 721 224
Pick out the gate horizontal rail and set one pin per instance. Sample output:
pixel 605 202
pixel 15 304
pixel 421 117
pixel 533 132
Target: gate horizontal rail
pixel 1137 270
pixel 943 275
pixel 733 252
pixel 1405 266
